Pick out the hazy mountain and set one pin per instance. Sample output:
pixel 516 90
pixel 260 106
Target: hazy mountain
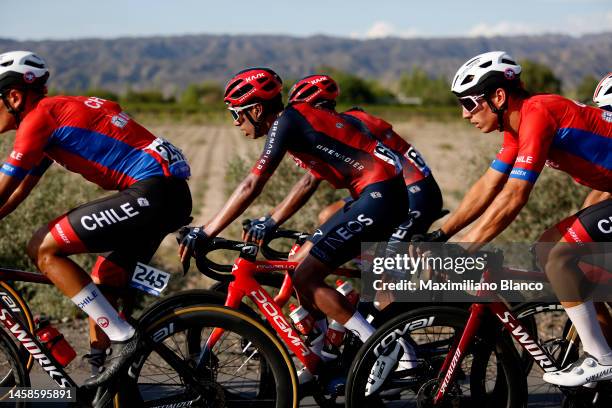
pixel 170 63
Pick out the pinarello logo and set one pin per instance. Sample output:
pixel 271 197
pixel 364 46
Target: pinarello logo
pixel 102 322
pixel 509 74
pixel 29 77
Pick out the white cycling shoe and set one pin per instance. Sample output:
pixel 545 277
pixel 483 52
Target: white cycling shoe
pixel 387 362
pixel 585 370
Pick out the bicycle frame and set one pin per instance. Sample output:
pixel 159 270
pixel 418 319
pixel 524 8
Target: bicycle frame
pixel 245 285
pixel 29 341
pixel 500 310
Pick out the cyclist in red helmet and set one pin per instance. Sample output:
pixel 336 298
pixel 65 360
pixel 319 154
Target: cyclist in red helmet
pixel 423 192
pixel 331 148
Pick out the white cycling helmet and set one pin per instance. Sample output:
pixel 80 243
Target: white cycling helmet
pixel 603 93
pixel 23 70
pixel 486 71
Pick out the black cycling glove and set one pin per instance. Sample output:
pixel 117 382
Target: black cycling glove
pixel 194 239
pixel 261 229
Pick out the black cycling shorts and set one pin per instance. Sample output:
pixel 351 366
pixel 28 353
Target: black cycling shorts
pixel 591 224
pixel 129 225
pixel 371 217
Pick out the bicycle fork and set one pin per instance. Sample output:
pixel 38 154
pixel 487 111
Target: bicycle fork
pixel 453 360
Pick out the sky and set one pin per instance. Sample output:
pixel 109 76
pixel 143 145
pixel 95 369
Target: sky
pixel 65 19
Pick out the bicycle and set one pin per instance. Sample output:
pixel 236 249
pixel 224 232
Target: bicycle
pixel 444 336
pixel 163 372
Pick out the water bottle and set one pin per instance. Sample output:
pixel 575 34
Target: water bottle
pixel 302 319
pixel 348 291
pixel 333 340
pixel 55 342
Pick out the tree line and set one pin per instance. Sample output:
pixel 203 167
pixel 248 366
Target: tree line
pixel 416 87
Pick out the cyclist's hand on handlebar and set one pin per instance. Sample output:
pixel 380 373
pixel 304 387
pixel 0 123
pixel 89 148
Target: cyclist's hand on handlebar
pixel 191 240
pixel 259 230
pixel 434 236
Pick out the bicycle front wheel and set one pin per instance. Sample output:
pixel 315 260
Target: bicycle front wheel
pixel 432 332
pixel 247 367
pixel 13 372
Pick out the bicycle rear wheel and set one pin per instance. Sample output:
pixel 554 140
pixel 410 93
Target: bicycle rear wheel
pixel 432 331
pixel 248 367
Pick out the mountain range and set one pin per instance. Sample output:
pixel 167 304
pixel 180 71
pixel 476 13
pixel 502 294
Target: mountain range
pixel 171 63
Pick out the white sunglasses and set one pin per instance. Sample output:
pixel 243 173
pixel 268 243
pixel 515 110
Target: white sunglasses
pixel 236 111
pixel 470 102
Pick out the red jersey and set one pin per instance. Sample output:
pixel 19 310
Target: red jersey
pixel 330 147
pixel 92 137
pixel 414 166
pixel 562 134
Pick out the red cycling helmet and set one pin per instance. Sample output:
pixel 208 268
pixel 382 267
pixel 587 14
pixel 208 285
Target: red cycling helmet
pixel 313 89
pixel 252 85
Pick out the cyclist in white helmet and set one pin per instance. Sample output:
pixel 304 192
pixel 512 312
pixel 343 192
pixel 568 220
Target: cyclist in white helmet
pixel 603 93
pixel 538 130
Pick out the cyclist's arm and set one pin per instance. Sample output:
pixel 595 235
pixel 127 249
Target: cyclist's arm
pixel 298 196
pixel 19 194
pixel 246 192
pixel 249 189
pixel 502 211
pixel 8 186
pixel 478 198
pixel 595 197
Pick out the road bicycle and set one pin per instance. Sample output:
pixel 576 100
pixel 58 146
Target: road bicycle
pixel 163 373
pixel 467 357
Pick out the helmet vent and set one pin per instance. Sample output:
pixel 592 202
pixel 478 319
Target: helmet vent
pixel 332 88
pixel 508 61
pixel 7 63
pixel 467 79
pixel 33 64
pixel 242 91
pixel 609 91
pixel 262 80
pixel 486 64
pixel 269 86
pixel 309 92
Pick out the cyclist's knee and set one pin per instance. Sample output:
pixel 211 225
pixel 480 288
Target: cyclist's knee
pixel 309 275
pixel 36 245
pixel 42 248
pixel 557 259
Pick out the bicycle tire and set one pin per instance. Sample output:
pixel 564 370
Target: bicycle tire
pixel 511 395
pixel 23 313
pixel 283 390
pixel 12 368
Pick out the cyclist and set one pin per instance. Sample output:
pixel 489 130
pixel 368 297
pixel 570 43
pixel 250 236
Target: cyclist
pixel 92 137
pixel 538 130
pixel 603 93
pixel 331 148
pixel 424 195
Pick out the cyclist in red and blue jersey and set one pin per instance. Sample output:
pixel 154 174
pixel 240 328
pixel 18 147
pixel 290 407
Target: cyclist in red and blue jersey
pixel 96 139
pixel 331 148
pixel 539 130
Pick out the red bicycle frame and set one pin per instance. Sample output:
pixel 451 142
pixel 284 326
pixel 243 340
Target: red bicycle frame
pixel 245 285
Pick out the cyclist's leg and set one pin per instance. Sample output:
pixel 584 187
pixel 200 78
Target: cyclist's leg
pixel 371 217
pixel 561 267
pixel 332 209
pixel 425 200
